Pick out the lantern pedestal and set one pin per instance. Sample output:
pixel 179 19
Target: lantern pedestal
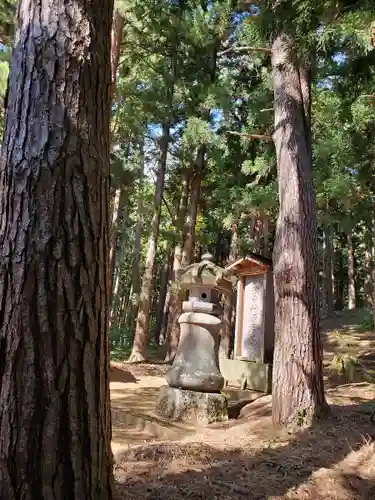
pixel 192 407
pixel 196 367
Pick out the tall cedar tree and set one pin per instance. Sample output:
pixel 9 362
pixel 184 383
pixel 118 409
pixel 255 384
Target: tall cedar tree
pixel 298 391
pixel 54 281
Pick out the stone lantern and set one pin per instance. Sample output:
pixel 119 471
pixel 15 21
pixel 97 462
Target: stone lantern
pixel 194 379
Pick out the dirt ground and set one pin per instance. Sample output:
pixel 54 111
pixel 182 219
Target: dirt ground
pixel 247 458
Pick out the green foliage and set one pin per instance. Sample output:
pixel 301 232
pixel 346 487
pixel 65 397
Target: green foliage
pixel 367 320
pixel 167 77
pixel 4 70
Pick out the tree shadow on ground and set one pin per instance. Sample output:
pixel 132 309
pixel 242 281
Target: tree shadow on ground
pixel 333 460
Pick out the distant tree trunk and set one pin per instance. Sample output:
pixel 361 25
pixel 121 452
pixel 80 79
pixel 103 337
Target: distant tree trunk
pixel 164 278
pixel 55 422
pixel 227 328
pixel 136 266
pixel 265 236
pixel 142 325
pixel 339 274
pixel 116 37
pixel 258 235
pixel 113 231
pixel 351 273
pixel 191 219
pixel 298 390
pixel 187 253
pixel 328 270
pixel 173 333
pixel 164 321
pixel 115 264
pixel 368 266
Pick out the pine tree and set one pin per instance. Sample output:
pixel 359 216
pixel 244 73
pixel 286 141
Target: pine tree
pixel 54 285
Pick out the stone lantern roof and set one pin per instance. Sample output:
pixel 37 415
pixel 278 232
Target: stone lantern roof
pixel 206 274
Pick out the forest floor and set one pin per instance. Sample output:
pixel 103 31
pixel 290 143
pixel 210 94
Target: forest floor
pixel 246 457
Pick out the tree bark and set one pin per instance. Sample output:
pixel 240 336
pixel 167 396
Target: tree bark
pixel 265 236
pixel 368 267
pixel 351 273
pixel 298 391
pixel 136 266
pixel 227 328
pixel 339 273
pixel 142 324
pixel 191 218
pixel 54 238
pixel 118 249
pixel 328 270
pixel 164 278
pixel 187 253
pixel 116 37
pixel 175 294
pixel 113 231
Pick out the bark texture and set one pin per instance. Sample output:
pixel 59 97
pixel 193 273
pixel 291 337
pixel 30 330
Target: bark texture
pixel 116 37
pixel 54 277
pixel 227 328
pixel 298 391
pixel 174 295
pixel 164 279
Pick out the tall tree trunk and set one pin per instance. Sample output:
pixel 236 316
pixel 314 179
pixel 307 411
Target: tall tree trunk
pixel 175 294
pixel 339 273
pixel 252 229
pixel 368 267
pixel 298 390
pixel 328 269
pixel 191 218
pixel 136 266
pixel 142 325
pixel 116 260
pixel 55 420
pixel 227 328
pixel 164 278
pixel 351 273
pixel 265 227
pixel 187 253
pixel 113 231
pixel 116 37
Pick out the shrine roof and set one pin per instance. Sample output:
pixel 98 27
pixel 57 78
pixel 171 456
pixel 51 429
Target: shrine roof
pixel 250 265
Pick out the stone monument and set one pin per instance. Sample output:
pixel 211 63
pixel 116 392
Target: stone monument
pixel 254 331
pixel 194 380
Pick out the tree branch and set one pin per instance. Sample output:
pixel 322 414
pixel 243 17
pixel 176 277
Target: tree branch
pixel 245 48
pixel 260 137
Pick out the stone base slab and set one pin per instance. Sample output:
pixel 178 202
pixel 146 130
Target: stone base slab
pixel 249 374
pixel 192 407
